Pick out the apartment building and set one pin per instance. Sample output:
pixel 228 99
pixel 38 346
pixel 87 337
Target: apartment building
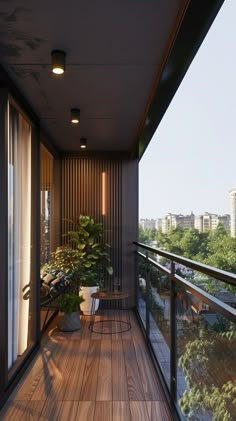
pixel 148 224
pixel 210 221
pixel 172 221
pixel 232 195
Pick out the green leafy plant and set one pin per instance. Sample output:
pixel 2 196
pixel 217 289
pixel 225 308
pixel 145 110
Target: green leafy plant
pixel 70 302
pixel 66 259
pixel 93 254
pixel 220 402
pixel 207 359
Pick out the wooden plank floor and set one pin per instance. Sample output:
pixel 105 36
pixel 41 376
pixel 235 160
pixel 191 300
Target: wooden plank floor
pixel 88 376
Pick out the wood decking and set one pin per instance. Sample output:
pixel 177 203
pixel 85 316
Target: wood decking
pixel 88 376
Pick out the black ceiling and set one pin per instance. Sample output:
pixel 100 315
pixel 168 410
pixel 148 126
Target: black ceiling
pixel 124 61
pixel 114 50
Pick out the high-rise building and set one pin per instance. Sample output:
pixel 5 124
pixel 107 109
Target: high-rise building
pixel 172 221
pixel 232 194
pixel 148 224
pixel 210 221
pixel 225 220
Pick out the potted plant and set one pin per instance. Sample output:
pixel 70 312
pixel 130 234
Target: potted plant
pixel 87 239
pixel 65 261
pixel 69 316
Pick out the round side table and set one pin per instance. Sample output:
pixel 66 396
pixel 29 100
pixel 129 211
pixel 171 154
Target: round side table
pixel 114 301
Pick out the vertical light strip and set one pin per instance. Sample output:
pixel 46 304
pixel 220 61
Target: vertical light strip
pixel 104 193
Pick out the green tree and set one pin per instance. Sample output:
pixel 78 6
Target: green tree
pixel 171 241
pixel 222 250
pixel 146 235
pixel 208 365
pixel 194 244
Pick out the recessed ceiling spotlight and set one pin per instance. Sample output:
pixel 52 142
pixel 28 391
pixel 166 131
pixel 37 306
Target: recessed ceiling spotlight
pixel 75 115
pixel 83 142
pixel 58 62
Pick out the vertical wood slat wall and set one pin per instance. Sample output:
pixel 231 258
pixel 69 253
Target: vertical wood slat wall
pixel 82 194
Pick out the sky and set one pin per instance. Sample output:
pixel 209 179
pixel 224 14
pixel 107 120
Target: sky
pixel 190 163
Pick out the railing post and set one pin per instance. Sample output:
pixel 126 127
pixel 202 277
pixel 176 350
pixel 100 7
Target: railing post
pixel 173 335
pixel 147 276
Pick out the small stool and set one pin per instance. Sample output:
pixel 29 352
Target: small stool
pixel 115 300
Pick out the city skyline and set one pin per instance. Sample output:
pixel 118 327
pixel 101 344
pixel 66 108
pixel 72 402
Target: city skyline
pixel 183 213
pixel 204 222
pixel 190 163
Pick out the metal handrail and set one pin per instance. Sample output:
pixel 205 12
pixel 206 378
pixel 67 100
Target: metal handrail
pixel 215 303
pixel 229 278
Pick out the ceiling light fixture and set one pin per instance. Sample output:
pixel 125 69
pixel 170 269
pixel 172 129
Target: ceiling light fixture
pixel 58 62
pixel 83 142
pixel 75 115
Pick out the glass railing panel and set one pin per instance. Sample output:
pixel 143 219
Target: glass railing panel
pixel 160 320
pixel 206 369
pixel 219 289
pixel 142 290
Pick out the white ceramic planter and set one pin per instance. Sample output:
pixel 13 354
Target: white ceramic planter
pixel 87 304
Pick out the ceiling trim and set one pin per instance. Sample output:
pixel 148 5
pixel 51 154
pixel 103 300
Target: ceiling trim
pixel 96 154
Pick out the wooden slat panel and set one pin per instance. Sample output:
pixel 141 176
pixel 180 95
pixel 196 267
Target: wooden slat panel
pixel 22 410
pixel 75 381
pixel 49 373
pixel 68 411
pixel 86 411
pixel 82 194
pixel 89 386
pixel 51 411
pixel 68 369
pixel 150 384
pixel 139 411
pixel 121 411
pixel 33 411
pixel 36 375
pixel 125 316
pixel 119 386
pixel 104 384
pixel 158 411
pixel 62 364
pixel 135 389
pixel 25 389
pixel 86 333
pixel 103 411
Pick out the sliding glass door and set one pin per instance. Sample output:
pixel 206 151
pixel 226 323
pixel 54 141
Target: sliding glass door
pixel 19 236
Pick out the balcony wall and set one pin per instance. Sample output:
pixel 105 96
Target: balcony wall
pixel 113 203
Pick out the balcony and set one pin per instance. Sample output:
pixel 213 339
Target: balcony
pixel 124 64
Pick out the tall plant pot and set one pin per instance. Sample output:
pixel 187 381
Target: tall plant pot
pixel 87 304
pixel 68 322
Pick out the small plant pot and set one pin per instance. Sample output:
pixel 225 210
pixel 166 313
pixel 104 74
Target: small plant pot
pixel 68 322
pixel 87 304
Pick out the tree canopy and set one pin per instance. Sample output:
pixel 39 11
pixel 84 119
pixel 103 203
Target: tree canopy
pixel 215 248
